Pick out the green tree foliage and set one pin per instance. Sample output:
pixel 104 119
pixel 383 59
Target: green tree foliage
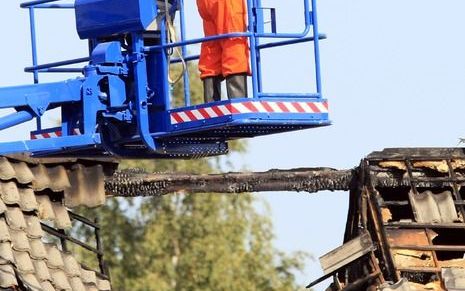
pixel 191 242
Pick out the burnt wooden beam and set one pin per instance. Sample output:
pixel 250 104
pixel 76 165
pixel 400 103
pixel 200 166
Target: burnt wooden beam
pixel 133 183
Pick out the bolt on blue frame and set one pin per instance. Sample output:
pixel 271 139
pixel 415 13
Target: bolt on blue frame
pixel 121 106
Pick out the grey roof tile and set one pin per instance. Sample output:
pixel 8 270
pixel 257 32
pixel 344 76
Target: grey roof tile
pixel 9 193
pixel 47 286
pixel 76 195
pixel 41 269
pixel 103 285
pixel 62 219
pixel 59 279
pixel 37 249
pixel 6 253
pixel 54 259
pixel 7 171
pixel 433 208
pixel 31 281
pixel 19 241
pixel 15 218
pixel 7 276
pixel 88 277
pixel 33 227
pixel 45 207
pixel 27 199
pixel 2 207
pixel 72 267
pixel 41 178
pixel 446 207
pixel 88 186
pixel 23 262
pixel 76 284
pixel 22 173
pixel 59 178
pixel 454 278
pixel 425 208
pixel 4 231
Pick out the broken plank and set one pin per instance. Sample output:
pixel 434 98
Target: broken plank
pixel 347 253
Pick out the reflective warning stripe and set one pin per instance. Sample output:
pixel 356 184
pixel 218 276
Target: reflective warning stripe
pixel 52 134
pixel 248 107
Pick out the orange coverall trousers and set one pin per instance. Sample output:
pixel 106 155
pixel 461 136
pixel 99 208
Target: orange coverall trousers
pixel 226 56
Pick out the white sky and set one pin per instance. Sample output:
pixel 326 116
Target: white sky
pixel 393 71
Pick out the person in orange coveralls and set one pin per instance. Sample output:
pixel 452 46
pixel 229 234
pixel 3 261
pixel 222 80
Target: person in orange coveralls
pixel 225 58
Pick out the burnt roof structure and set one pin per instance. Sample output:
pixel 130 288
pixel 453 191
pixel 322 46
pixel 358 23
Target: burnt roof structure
pixel 405 228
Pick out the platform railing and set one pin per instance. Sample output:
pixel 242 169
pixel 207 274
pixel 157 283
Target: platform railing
pixel 45 4
pixel 49 67
pixel 255 32
pixel 36 69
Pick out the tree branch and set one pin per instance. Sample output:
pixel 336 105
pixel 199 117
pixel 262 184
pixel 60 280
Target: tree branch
pixel 133 183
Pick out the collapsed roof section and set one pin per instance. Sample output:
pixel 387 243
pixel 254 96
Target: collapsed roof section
pixel 405 228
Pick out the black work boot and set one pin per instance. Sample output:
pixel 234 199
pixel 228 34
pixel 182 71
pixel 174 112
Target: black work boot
pixel 212 89
pixel 236 86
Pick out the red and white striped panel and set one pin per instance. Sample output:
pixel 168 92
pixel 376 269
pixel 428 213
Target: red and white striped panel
pixel 248 107
pixel 52 134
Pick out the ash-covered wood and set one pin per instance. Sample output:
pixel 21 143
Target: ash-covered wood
pixel 132 183
pixel 394 180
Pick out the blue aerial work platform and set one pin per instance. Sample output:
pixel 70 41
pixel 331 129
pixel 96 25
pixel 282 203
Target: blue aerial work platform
pixel 122 105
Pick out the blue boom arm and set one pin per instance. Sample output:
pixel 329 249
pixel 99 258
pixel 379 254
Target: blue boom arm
pixel 33 100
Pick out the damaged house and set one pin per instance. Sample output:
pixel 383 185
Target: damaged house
pixel 405 227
